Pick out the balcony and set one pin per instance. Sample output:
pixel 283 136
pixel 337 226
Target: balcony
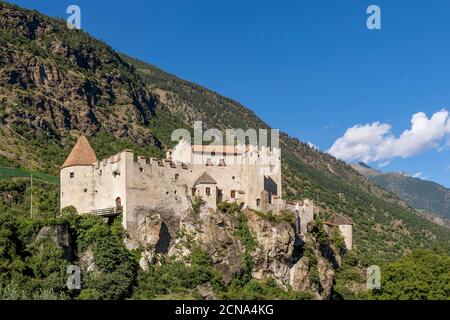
pixel 108 212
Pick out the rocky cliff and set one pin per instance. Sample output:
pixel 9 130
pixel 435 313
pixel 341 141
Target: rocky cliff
pixel 239 243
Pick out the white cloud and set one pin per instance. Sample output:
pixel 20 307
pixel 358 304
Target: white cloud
pixel 375 142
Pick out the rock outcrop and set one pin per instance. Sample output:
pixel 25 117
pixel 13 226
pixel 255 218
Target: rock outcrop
pixel 278 254
pixel 273 254
pixel 59 235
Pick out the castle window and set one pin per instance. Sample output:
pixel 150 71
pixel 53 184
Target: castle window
pixel 233 177
pixel 213 154
pixel 177 176
pixel 233 194
pixel 72 175
pixel 258 202
pixel 194 191
pixel 141 169
pixel 85 190
pixel 101 172
pixel 208 191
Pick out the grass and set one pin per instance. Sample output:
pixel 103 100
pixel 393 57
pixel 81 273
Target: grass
pixel 10 173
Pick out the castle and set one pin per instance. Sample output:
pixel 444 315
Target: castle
pixel 125 184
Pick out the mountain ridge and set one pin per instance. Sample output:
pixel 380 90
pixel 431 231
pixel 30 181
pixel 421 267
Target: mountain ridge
pixel 419 194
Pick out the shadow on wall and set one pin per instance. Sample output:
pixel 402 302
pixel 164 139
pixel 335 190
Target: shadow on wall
pixel 270 186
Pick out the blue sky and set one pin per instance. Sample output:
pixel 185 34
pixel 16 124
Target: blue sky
pixel 310 68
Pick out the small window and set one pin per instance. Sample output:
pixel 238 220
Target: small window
pixel 101 172
pixel 233 194
pixel 213 154
pixel 141 169
pixel 233 177
pixel 194 191
pixel 72 175
pixel 177 176
pixel 85 190
pixel 208 191
pixel 258 202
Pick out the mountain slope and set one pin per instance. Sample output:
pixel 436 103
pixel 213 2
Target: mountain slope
pixel 384 225
pixel 57 83
pixel 418 193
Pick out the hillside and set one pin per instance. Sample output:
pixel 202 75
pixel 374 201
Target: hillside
pixel 419 194
pixel 57 83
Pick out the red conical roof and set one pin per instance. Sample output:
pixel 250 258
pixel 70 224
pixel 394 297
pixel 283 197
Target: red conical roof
pixel 81 155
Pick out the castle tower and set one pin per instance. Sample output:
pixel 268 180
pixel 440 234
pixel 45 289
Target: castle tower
pixel 207 189
pixel 76 177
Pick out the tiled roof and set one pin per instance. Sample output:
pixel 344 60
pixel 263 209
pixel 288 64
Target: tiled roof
pixel 81 155
pixel 205 178
pixel 339 220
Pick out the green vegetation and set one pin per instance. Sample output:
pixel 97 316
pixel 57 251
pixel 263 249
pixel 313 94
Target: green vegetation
pixel 350 282
pixel 36 269
pixel 282 216
pixel 420 275
pixel 15 198
pixel 8 173
pixel 338 239
pixel 400 228
pixel 244 234
pixel 197 204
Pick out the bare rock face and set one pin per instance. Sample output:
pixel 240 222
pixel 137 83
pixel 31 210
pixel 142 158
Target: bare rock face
pixel 177 233
pixel 217 239
pixel 299 275
pixel 214 233
pixel 206 291
pixel 149 229
pixel 326 275
pixel 58 234
pixel 273 255
pixel 152 236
